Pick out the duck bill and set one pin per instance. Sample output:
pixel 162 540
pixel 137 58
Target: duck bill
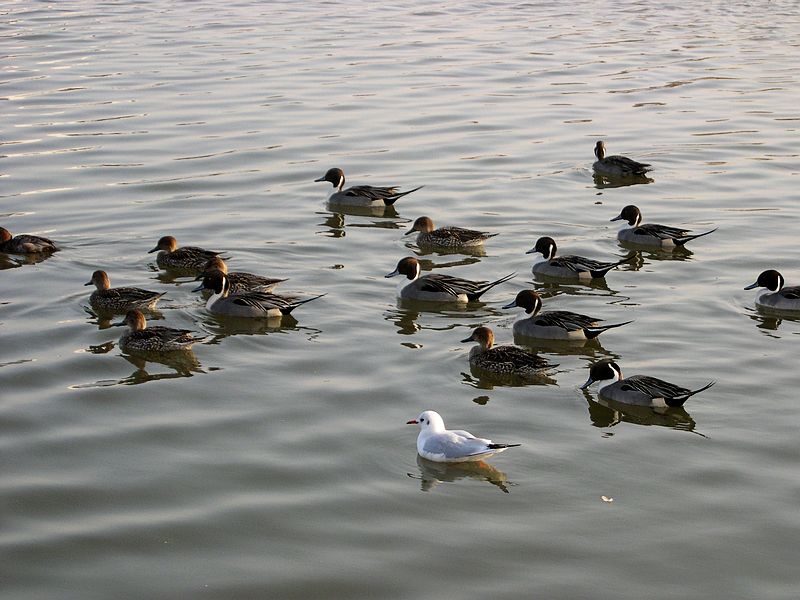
pixel 117 324
pixel 88 283
pixel 321 179
pixel 153 250
pixel 392 274
pixel 199 288
pixel 589 382
pixel 617 218
pixel 469 339
pixel 531 251
pixel 751 286
pixel 410 231
pixel 412 422
pixel 512 304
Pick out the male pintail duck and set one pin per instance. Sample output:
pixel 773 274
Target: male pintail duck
pixel 438 444
pixel 245 304
pixel 24 243
pixel 446 237
pixel 554 325
pixel 361 195
pixel 569 267
pixel 141 338
pixel 121 299
pixel 240 282
pixel 651 234
pixel 435 287
pixel 640 390
pixel 777 297
pixel 190 258
pixel 503 360
pixel 617 166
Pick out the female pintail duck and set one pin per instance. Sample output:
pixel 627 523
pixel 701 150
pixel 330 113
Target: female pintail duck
pixel 190 258
pixel 446 237
pixel 24 243
pixel 361 195
pixel 617 166
pixel 554 325
pixel 640 390
pixel 569 267
pixel 503 360
pixel 777 297
pixel 141 338
pixel 240 282
pixel 435 287
pixel 651 234
pixel 245 304
pixel 121 299
pixel 439 444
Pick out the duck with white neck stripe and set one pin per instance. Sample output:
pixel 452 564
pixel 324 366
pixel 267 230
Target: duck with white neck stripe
pixel 652 234
pixel 569 267
pixel 361 195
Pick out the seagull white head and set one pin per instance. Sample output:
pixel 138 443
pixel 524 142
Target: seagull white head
pixel 428 420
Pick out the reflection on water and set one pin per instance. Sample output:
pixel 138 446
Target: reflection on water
pixel 182 363
pixel 446 316
pixel 608 413
pixel 12 261
pixel 486 380
pixel 432 474
pixel 335 221
pixel 638 254
pixel 589 348
pixel 106 319
pixel 769 320
pixel 476 251
pixel 604 181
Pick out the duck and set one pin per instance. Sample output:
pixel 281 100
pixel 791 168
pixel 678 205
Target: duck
pixel 121 299
pixel 569 267
pixel 617 166
pixel 249 304
pixel 436 287
pixel 446 237
pixel 652 234
pixel 240 281
pixel 503 360
pixel 189 258
pixel 25 243
pixel 554 325
pixel 777 297
pixel 439 444
pixel 361 195
pixel 639 390
pixel 141 338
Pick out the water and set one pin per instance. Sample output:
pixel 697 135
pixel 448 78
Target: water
pixel 276 463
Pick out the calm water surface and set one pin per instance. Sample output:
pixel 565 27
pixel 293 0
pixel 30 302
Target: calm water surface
pixel 274 462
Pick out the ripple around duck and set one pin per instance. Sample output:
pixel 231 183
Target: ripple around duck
pixel 276 460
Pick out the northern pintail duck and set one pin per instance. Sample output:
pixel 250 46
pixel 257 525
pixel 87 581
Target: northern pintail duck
pixel 141 338
pixel 569 267
pixel 240 281
pixel 446 237
pixel 556 324
pixel 436 287
pixel 245 304
pixel 641 390
pixel 189 258
pixel 361 195
pixel 439 444
pixel 617 166
pixel 121 299
pixel 503 360
pixel 652 234
pixel 24 243
pixel 776 296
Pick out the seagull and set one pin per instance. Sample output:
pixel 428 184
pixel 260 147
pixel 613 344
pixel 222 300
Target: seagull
pixel 438 444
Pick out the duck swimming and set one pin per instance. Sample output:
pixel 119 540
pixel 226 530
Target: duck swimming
pixel 652 234
pixel 361 195
pixel 617 166
pixel 436 287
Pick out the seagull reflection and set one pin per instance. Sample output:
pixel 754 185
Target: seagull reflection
pixel 433 473
pixel 602 182
pixel 608 413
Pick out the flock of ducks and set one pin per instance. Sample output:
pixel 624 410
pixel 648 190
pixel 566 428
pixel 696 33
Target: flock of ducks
pixel 245 295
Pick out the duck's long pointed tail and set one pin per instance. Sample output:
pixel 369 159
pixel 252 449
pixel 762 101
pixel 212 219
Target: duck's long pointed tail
pixel 593 332
pixel 392 199
pixel 477 294
pixel 680 241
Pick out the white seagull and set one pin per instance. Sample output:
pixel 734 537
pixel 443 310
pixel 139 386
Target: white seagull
pixel 451 446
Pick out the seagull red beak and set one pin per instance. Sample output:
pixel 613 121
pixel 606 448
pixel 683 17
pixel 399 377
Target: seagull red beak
pixel 412 422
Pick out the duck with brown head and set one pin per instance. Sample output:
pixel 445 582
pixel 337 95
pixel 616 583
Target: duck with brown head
pixel 569 267
pixel 503 360
pixel 25 243
pixel 617 166
pixel 448 238
pixel 240 281
pixel 652 234
pixel 141 338
pixel 121 299
pixel 187 258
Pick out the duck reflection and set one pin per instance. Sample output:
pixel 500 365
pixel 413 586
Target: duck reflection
pixel 592 349
pixel 12 261
pixel 429 265
pixel 335 218
pixel 485 380
pixel 602 182
pixel 104 319
pixel 221 327
pixel 608 413
pixel 475 251
pixel 678 253
pixel 406 315
pixel 183 363
pixel 432 474
pixel 769 321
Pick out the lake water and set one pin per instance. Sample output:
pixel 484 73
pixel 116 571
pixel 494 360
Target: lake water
pixel 276 463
